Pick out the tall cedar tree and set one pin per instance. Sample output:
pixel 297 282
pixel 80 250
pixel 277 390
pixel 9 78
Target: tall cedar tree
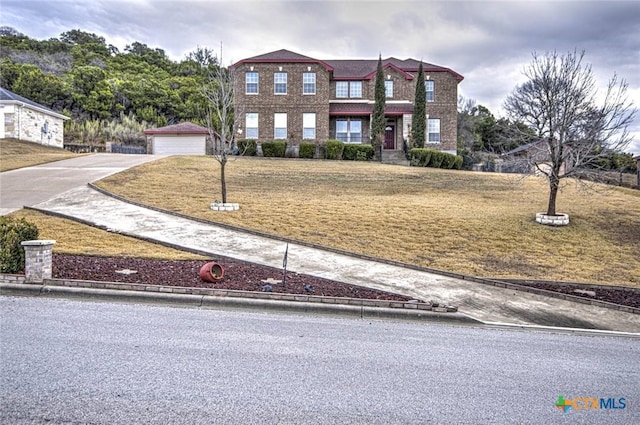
pixel 378 121
pixel 419 122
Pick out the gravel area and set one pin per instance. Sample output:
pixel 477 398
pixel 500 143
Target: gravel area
pixel 251 277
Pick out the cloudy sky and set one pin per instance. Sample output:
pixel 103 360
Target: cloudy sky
pixel 489 43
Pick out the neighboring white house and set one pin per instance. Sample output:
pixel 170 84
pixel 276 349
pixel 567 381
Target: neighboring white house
pixel 179 139
pixel 23 119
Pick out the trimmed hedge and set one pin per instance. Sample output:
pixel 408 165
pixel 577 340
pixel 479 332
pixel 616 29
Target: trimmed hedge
pixel 448 161
pixel 12 233
pixel 307 150
pixel 436 159
pixel 423 157
pixel 247 147
pixel 275 148
pixel 420 157
pixel 334 149
pixel 358 152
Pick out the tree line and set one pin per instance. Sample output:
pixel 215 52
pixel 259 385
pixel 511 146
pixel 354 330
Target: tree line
pixel 83 77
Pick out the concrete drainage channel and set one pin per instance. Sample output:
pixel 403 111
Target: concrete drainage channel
pixel 220 298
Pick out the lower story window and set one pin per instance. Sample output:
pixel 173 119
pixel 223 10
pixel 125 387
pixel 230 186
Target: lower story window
pixel 349 131
pixel 433 129
pixel 308 126
pixel 251 124
pixel 280 126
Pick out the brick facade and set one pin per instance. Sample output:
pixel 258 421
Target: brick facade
pixel 329 108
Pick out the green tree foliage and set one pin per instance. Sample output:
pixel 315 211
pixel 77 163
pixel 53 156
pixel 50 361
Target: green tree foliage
pixel 481 135
pixel 378 120
pixel 81 75
pixel 419 121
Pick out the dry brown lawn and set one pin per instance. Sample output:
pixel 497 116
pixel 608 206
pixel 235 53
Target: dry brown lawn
pixel 473 223
pixel 79 239
pixel 18 154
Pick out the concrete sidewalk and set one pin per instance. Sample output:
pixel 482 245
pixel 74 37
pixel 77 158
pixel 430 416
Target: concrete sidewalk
pixel 482 302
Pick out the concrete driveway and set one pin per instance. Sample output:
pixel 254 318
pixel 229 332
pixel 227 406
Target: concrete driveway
pixel 32 185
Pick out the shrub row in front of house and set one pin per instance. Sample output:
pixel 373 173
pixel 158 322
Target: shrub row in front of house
pixel 421 157
pixel 335 149
pixel 332 149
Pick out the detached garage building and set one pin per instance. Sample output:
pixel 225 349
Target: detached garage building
pixel 180 139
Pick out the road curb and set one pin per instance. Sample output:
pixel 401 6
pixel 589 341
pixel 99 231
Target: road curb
pixel 214 302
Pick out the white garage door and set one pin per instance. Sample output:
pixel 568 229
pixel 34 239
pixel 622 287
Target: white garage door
pixel 178 145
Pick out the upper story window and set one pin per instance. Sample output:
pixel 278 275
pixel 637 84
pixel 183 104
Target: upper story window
pixel 251 125
pixel 279 125
pixel 309 83
pixel 251 83
pixel 342 89
pixel 349 89
pixel 355 88
pixel 429 87
pixel 280 82
pixel 388 88
pixel 433 130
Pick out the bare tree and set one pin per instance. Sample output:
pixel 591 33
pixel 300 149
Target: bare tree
pixel 576 126
pixel 221 118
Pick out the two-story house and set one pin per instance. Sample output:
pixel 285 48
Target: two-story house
pixel 285 95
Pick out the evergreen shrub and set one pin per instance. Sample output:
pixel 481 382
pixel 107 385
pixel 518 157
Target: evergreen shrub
pixel 334 149
pixel 307 150
pixel 12 233
pixel 420 157
pixel 274 149
pixel 358 152
pixel 247 147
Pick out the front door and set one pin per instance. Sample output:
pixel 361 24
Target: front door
pixel 389 137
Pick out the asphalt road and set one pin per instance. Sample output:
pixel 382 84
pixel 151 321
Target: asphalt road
pixel 68 361
pixel 32 185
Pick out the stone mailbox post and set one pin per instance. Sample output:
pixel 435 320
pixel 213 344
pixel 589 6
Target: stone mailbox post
pixel 37 260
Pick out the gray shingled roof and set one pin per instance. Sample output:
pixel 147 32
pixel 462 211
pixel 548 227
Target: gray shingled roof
pixel 9 96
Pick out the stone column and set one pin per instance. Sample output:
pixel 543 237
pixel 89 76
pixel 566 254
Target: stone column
pixel 37 260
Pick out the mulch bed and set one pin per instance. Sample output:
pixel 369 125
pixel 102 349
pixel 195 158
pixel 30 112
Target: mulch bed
pixel 250 277
pixel 610 294
pixel 238 275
